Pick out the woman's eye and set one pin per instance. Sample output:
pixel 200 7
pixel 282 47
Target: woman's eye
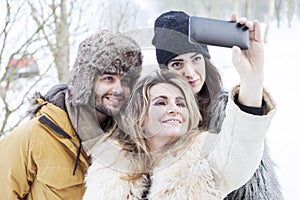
pixel 181 104
pixel 197 59
pixel 175 65
pixel 160 103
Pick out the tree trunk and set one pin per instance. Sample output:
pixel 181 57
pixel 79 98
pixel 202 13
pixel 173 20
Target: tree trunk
pixel 62 51
pixel 291 5
pixel 278 4
pixel 271 6
pixel 247 8
pixel 236 6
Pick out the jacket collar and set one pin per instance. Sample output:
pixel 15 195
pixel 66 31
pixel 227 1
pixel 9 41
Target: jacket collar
pixel 60 118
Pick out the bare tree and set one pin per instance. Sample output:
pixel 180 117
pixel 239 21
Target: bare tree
pixel 12 33
pixel 57 31
pixel 71 20
pixel 291 10
pixel 278 5
pixel 38 29
pixel 271 5
pixel 117 15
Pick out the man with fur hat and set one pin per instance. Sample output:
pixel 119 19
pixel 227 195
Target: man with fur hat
pixel 192 61
pixel 44 158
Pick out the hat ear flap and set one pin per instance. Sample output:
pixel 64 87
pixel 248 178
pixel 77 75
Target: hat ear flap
pixel 82 82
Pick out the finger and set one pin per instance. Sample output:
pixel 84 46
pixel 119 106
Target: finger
pixel 233 17
pixel 236 56
pixel 243 20
pixel 250 25
pixel 257 31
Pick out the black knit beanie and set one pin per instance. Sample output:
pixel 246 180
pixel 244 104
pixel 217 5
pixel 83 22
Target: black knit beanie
pixel 171 37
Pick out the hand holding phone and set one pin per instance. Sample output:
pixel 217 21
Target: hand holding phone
pixel 218 32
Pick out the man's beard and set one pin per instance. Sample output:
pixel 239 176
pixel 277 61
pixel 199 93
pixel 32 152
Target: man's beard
pixel 104 110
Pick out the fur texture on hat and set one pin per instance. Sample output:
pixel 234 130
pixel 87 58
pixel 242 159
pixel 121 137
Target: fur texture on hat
pixel 105 51
pixel 171 37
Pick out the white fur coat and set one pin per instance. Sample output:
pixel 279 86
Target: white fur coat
pixel 197 172
pixel 184 176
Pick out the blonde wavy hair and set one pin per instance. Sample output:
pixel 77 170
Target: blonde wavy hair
pixel 131 135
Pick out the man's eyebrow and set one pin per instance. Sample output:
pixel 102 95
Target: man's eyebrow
pixel 100 72
pixel 110 73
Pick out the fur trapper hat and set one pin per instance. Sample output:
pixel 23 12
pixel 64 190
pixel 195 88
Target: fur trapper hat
pixel 171 37
pixel 106 51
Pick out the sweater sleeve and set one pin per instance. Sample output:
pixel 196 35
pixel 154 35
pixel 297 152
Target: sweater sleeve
pixel 239 147
pixel 249 109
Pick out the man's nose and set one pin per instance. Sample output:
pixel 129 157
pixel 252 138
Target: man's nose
pixel 118 87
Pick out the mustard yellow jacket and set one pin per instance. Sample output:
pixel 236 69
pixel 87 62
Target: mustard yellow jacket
pixel 38 160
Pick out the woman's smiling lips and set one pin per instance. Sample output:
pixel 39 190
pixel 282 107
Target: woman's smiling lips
pixel 172 121
pixel 193 82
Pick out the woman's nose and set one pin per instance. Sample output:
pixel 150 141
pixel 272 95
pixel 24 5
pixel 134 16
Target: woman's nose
pixel 173 109
pixel 189 70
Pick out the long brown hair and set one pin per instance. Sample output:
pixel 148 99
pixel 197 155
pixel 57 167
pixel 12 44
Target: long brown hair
pixel 209 92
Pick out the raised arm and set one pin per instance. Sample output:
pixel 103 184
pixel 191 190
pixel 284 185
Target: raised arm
pixel 239 147
pixel 250 64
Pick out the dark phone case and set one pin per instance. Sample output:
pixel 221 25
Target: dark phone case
pixel 218 32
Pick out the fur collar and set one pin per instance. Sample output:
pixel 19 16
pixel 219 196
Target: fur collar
pixel 185 175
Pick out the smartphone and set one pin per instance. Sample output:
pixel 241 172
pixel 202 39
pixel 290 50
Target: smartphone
pixel 218 32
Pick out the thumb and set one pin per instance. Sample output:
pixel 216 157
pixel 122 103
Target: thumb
pixel 236 56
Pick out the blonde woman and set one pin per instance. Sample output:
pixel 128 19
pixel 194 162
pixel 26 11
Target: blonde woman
pixel 156 153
